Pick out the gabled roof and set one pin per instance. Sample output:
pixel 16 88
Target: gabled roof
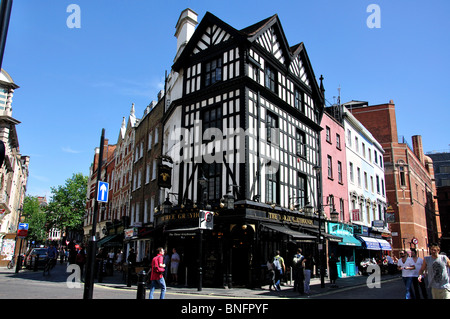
pixel 206 35
pixel 267 33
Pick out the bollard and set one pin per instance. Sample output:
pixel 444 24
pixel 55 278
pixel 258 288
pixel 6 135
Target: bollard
pixel 129 269
pixel 141 285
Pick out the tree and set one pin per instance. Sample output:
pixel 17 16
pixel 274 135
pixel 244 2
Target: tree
pixel 67 207
pixel 36 218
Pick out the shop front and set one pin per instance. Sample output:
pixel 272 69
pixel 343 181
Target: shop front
pixel 235 252
pixel 345 250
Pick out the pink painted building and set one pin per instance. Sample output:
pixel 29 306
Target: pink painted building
pixel 334 168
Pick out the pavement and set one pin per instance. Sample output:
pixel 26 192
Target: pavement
pixel 117 282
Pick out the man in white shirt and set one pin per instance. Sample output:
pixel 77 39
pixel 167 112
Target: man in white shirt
pixel 406 265
pixel 174 263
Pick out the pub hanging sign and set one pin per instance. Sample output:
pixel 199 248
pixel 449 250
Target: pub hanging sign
pixel 164 176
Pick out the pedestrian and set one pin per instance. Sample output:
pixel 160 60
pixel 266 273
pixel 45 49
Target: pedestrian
pixel 62 255
pixel 280 269
pixel 167 271
pixel 174 263
pixel 156 276
pixel 119 260
pixel 271 273
pixel 308 264
pixel 297 267
pixel 72 252
pixel 406 265
pixel 418 262
pixel 332 263
pixel 391 265
pixel 132 257
pixel 438 278
pixel 80 260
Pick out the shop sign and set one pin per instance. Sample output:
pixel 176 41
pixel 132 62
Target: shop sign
pixel 340 229
pixel 361 230
pixel 164 176
pixel 290 219
pixel 130 232
pixel 180 216
pixel 378 223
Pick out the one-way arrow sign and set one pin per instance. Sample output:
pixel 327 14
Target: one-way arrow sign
pixel 102 193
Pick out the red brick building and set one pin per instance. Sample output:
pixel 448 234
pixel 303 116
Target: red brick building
pixel 409 176
pixel 106 168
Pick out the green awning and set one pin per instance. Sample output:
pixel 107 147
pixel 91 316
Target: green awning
pixel 349 241
pixel 109 240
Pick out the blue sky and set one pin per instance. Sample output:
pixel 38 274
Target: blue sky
pixel 76 81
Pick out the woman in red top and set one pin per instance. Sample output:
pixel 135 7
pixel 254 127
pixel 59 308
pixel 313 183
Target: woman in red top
pixel 156 276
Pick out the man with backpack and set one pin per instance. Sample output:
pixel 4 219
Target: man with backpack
pixel 278 264
pixel 297 267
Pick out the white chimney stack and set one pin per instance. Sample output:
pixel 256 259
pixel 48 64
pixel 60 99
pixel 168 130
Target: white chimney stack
pixel 185 29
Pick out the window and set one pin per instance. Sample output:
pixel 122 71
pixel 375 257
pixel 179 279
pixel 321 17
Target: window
pixel 156 135
pixel 339 172
pixel 351 172
pixel 212 118
pixel 145 211
pixel 301 182
pixel 154 169
pixel 328 132
pixel 366 181
pixel 356 144
pixel 213 71
pixel 152 208
pixel 402 176
pixel 270 79
pixel 271 187
pixel 358 171
pixel 213 173
pixel 147 173
pixel 301 143
pixel 377 180
pixel 150 136
pixel 298 101
pixel 338 141
pixel 271 124
pixel 330 167
pixel 349 138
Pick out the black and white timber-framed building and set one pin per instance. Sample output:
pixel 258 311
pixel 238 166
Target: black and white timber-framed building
pixel 242 120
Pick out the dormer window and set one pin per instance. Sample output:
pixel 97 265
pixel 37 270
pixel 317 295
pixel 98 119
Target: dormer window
pixel 213 71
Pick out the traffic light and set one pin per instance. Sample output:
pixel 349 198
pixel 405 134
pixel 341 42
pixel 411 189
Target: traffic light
pixel 206 220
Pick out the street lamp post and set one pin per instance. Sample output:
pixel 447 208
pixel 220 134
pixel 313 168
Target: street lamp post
pixel 204 184
pixel 309 209
pixel 89 283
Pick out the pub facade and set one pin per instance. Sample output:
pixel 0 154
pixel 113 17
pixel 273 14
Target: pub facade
pixel 242 132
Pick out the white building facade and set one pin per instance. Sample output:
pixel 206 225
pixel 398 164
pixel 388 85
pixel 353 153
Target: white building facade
pixel 365 174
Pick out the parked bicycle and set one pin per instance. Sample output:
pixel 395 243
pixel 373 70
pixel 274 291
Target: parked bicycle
pixel 12 262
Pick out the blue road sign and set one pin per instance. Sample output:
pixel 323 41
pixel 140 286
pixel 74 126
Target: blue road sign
pixel 23 226
pixel 102 192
